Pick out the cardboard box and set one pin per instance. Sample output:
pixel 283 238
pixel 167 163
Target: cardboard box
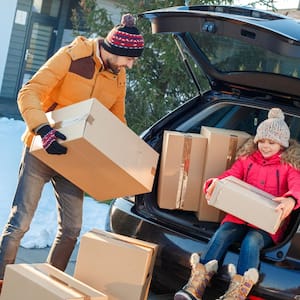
pixel 222 145
pixel 44 282
pixel 181 168
pixel 105 158
pixel 246 202
pixel 118 265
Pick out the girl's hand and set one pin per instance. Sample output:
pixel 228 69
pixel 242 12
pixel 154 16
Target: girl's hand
pixel 210 189
pixel 286 205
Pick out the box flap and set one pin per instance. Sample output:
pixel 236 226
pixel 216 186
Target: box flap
pixel 43 281
pixel 124 238
pixel 70 282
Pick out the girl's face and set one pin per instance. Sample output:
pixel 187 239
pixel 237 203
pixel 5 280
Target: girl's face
pixel 268 147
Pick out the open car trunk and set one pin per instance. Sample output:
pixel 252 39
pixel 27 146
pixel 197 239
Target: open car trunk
pixel 243 117
pixel 251 61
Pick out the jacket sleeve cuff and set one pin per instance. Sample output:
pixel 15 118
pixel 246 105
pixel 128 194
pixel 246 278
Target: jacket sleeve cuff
pixel 35 130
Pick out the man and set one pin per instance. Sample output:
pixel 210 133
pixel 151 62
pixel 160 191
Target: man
pixel 84 69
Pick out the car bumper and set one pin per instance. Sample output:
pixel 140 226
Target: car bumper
pixel 172 267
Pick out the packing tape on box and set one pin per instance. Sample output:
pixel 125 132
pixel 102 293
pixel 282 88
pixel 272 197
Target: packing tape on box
pixel 153 171
pixel 184 171
pixel 233 141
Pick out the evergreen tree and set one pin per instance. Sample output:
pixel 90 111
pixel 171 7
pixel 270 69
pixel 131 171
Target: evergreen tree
pixel 159 82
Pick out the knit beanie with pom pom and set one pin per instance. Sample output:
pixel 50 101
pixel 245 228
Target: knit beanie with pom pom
pixel 125 39
pixel 274 128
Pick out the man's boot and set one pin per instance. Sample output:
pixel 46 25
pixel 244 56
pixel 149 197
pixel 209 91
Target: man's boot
pixel 240 286
pixel 200 277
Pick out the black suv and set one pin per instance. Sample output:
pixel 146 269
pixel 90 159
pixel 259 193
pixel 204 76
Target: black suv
pixel 251 60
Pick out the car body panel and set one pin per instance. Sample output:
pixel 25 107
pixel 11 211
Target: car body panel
pixel 190 19
pixel 238 100
pixel 177 247
pixel 247 28
pixel 178 239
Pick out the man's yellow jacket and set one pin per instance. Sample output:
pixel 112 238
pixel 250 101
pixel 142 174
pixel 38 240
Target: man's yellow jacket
pixel 75 73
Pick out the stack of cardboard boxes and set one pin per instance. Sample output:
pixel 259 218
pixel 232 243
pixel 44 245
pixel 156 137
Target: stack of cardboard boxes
pixel 119 266
pixel 108 267
pixel 183 170
pixel 188 160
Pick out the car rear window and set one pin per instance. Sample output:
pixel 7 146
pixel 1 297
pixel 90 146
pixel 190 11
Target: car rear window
pixel 236 117
pixel 227 54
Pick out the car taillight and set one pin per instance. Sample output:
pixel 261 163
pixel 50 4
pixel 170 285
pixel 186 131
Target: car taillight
pixel 255 298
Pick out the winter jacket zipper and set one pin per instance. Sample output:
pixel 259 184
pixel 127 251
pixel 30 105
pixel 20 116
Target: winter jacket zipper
pixel 247 172
pixel 278 182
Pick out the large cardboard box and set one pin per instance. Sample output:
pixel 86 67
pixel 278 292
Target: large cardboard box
pixel 105 158
pixel 44 282
pixel 118 265
pixel 222 145
pixel 181 168
pixel 246 202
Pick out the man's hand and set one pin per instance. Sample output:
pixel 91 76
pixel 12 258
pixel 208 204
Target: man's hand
pixel 49 138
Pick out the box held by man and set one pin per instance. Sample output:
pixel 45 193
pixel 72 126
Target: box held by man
pixel 105 158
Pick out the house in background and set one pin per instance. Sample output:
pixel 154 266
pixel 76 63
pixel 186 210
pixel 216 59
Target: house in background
pixel 31 32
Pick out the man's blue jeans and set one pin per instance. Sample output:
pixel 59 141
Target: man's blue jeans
pixel 33 175
pixel 251 240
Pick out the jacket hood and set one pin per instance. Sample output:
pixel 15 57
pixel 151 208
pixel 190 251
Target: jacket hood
pixel 290 155
pixel 81 47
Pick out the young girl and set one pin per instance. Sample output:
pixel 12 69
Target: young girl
pixel 271 164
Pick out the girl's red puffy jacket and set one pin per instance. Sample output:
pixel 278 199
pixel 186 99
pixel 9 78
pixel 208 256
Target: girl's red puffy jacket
pixel 273 175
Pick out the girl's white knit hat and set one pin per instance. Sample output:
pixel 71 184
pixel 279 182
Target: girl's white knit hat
pixel 274 128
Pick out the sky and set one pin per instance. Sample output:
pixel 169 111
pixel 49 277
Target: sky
pixel 43 227
pixel 279 4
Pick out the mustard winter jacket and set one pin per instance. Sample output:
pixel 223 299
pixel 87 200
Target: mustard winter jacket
pixel 73 74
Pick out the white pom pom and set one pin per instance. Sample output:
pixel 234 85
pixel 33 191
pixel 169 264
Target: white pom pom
pixel 128 20
pixel 276 113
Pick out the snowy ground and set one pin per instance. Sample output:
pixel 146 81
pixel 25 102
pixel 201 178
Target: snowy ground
pixel 43 227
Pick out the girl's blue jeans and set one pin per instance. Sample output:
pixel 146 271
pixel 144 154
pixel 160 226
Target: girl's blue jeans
pixel 251 240
pixel 33 175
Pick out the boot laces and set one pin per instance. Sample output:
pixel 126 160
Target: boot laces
pixel 199 281
pixel 237 290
